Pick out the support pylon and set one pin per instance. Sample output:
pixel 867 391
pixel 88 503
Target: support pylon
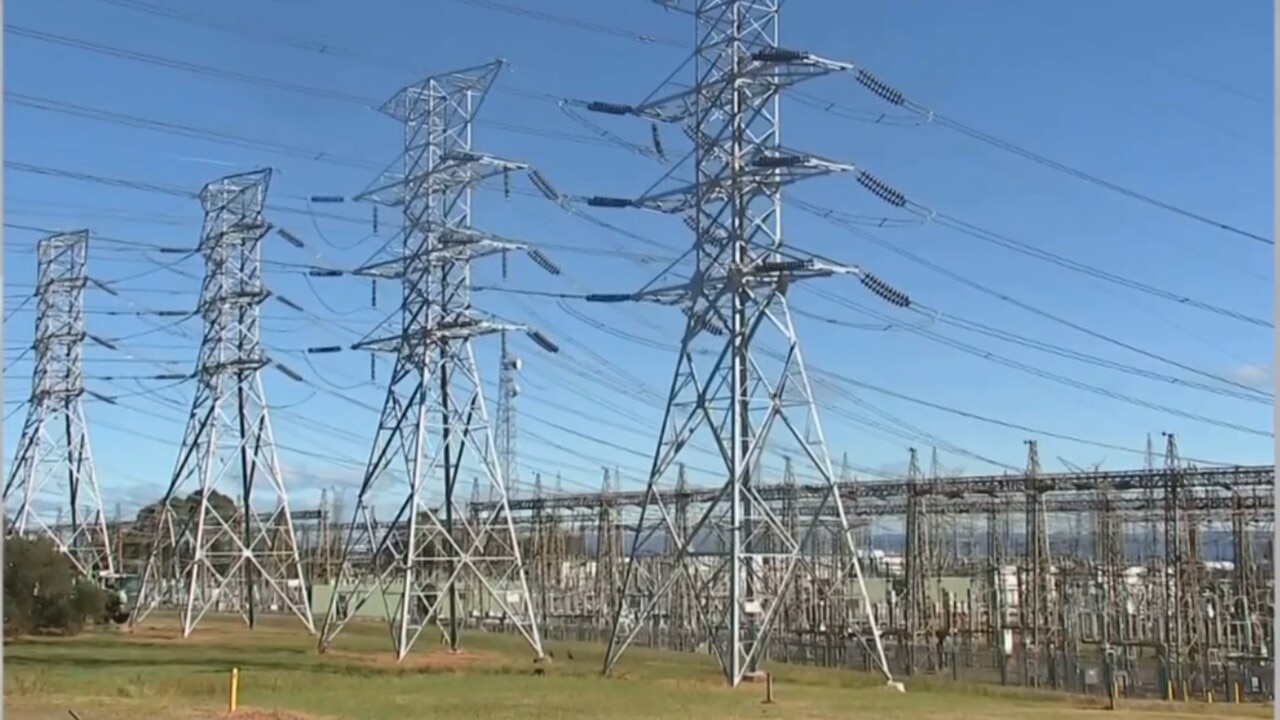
pixel 228 557
pixel 52 473
pixel 435 420
pixel 740 375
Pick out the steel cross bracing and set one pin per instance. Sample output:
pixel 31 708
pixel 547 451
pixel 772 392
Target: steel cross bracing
pixel 223 537
pixel 52 472
pixel 435 419
pixel 727 386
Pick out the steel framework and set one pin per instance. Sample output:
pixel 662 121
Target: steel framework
pixel 727 387
pixel 54 446
pixel 1063 598
pixel 209 550
pixel 868 495
pixel 435 419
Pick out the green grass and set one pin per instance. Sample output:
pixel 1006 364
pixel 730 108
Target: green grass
pixel 153 675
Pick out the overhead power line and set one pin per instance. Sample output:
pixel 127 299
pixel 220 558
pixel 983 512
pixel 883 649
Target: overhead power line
pixel 831 215
pixel 216 136
pixel 865 78
pixel 897 98
pixel 260 81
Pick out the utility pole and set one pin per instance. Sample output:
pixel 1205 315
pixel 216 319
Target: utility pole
pixel 917 563
pixel 508 391
pixel 228 449
pixel 52 469
pixel 435 420
pixel 1151 540
pixel 540 541
pixel 607 552
pixel 1180 583
pixel 740 375
pixel 1037 623
pixel 682 604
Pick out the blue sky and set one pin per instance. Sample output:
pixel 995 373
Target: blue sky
pixel 1174 104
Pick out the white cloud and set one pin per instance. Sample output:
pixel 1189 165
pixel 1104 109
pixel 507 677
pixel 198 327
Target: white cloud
pixel 1251 374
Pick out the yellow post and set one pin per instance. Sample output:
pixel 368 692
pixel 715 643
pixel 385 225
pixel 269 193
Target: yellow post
pixel 1208 696
pixel 1235 692
pixel 1168 691
pixel 234 695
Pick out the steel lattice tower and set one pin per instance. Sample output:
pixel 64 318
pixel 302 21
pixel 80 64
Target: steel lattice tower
pixel 227 556
pixel 53 471
pixel 726 387
pixel 435 418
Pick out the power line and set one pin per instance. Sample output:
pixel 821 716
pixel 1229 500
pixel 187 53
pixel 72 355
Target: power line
pixel 98 114
pixel 259 81
pixel 824 212
pixel 897 98
pixel 1251 388
pixel 170 190
pixel 833 217
pixel 1086 269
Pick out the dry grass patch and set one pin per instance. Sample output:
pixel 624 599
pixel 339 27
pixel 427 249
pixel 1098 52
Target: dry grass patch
pixel 154 673
pixel 430 661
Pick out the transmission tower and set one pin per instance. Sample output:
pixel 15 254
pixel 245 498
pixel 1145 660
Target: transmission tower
pixel 210 551
pixel 52 473
pixel 435 418
pixel 740 375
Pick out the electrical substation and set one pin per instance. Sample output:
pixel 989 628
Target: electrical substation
pixel 1154 579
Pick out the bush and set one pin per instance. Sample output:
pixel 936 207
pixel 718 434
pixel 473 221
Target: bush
pixel 43 593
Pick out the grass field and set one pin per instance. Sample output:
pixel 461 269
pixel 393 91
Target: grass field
pixel 154 675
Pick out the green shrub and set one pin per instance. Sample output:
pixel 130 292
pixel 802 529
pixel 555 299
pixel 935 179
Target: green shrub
pixel 43 593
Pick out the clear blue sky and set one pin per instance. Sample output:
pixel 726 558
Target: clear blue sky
pixel 1171 99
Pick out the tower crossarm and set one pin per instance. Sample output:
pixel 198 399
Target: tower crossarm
pixel 770 70
pixel 768 171
pixel 455 169
pixel 471 325
pixel 451 245
pixel 762 273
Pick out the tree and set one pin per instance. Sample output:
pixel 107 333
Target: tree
pixel 136 544
pixel 43 593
